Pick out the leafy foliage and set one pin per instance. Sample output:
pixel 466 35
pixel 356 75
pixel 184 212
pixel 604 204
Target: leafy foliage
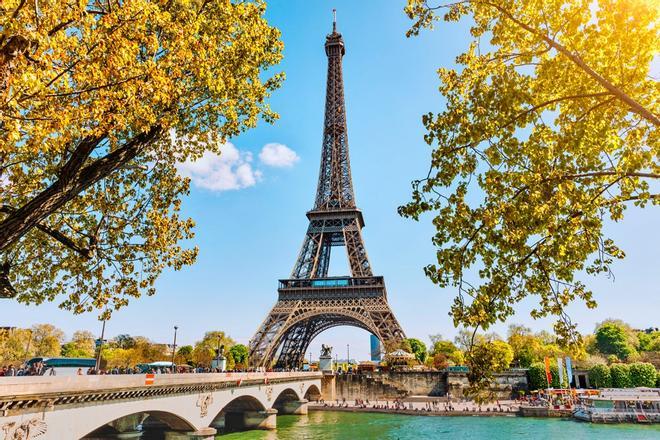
pixel 81 345
pixel 649 341
pixel 184 355
pixel 642 374
pixel 418 348
pixel 550 130
pixel 483 360
pixel 99 100
pixel 536 376
pixel 611 339
pixel 239 354
pixel 450 352
pixel 142 351
pixel 620 375
pixel 600 376
pixel 46 340
pixel 204 350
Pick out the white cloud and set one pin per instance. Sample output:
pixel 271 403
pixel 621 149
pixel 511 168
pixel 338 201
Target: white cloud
pixel 230 170
pixel 278 155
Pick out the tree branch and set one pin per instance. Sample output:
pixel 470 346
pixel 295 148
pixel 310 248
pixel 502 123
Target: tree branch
pixel 73 180
pixel 634 105
pixel 610 173
pixel 57 235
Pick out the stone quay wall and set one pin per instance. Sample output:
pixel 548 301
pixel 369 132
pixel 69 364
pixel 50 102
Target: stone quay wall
pixel 401 384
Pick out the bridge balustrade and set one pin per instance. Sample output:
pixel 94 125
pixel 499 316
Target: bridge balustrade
pixel 187 403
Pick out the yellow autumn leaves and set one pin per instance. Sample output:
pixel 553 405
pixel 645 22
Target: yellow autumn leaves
pixel 146 83
pixel 550 130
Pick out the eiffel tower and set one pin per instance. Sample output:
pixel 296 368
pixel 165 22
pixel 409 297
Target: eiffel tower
pixel 309 301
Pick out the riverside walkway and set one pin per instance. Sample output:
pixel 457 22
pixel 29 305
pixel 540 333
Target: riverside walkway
pixel 121 406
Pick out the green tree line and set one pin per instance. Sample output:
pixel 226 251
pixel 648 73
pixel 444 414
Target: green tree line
pixel 45 340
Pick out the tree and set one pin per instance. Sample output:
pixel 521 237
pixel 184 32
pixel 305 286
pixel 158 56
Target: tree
pixel 184 355
pixel 239 354
pixel 524 345
pixel 600 376
pixel 46 340
pixel 649 341
pixel 536 375
pixel 550 130
pixel 485 359
pixel 538 379
pixel 611 339
pixel 448 351
pixel 642 374
pixel 467 338
pixel 440 361
pixel 620 376
pixel 124 341
pixel 124 357
pixel 81 345
pixel 100 101
pixel 418 348
pixel 204 350
pixel 14 345
pixel 435 338
pixel 146 351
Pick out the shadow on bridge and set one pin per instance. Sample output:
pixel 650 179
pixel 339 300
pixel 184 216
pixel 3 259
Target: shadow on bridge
pixel 144 425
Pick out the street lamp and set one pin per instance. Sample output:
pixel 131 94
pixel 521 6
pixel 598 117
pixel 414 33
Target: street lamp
pixel 97 365
pixel 348 355
pixel 174 347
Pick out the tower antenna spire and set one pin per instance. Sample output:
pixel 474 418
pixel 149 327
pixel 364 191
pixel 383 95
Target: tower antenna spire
pixel 334 20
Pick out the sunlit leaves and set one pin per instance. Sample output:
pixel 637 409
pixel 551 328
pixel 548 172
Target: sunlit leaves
pixel 533 153
pixel 193 72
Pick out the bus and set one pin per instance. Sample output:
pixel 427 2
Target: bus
pixel 63 366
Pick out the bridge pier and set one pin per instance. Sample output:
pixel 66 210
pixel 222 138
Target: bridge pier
pixel 294 407
pixel 329 387
pixel 202 434
pixel 266 419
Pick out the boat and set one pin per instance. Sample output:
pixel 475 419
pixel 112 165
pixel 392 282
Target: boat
pixel 620 405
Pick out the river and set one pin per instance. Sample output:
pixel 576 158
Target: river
pixel 325 425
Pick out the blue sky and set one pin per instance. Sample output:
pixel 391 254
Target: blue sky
pixel 249 237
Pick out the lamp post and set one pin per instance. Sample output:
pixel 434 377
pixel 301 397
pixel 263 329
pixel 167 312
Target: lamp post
pixel 174 347
pixel 97 365
pixel 348 355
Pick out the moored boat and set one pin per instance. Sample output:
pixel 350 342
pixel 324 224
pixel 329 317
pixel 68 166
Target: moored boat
pixel 620 405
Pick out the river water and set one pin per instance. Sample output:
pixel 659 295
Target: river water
pixel 325 425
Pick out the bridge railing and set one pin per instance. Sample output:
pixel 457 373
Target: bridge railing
pixel 11 387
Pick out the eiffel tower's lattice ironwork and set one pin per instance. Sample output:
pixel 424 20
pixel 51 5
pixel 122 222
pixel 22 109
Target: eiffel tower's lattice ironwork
pixel 309 301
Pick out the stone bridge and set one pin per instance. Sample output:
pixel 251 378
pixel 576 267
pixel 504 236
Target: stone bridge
pixel 182 406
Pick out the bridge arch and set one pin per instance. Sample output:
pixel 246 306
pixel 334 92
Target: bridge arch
pixel 286 396
pixel 292 340
pixel 313 393
pixel 232 417
pixel 131 422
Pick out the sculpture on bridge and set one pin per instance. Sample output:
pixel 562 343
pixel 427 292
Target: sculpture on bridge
pixel 326 350
pixel 25 431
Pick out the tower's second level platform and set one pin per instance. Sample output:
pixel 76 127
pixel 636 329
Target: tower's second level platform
pixel 331 287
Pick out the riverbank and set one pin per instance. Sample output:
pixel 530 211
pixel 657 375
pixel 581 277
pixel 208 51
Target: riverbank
pixel 414 412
